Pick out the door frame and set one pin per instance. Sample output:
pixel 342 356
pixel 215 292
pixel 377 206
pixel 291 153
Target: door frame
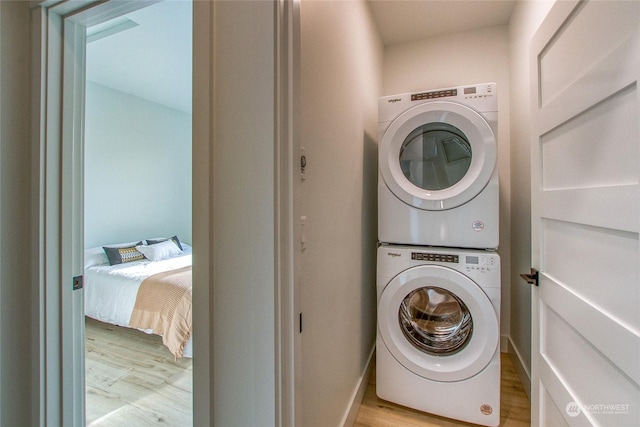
pixel 57 116
pixel 288 411
pixel 58 55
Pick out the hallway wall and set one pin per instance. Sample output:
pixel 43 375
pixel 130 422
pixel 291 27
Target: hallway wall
pixel 341 80
pixel 243 191
pixel 18 312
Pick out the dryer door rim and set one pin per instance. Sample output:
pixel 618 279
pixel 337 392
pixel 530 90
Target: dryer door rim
pixel 483 161
pixel 469 361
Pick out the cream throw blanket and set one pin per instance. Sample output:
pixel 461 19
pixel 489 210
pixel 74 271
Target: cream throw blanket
pixel 163 304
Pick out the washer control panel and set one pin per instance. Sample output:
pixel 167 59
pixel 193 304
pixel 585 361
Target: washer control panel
pixel 480 263
pixel 470 262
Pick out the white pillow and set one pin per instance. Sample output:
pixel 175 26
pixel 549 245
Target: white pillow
pixel 95 256
pixel 159 251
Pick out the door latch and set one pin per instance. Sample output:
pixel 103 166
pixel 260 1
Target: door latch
pixel 531 278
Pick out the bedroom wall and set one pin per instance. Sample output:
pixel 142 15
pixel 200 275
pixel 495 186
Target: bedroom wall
pixel 477 56
pixel 137 169
pixel 341 80
pixel 18 318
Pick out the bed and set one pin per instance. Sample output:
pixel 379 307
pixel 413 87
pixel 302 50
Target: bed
pixel 123 288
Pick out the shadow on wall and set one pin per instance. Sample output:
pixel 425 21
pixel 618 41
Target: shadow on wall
pixel 369 233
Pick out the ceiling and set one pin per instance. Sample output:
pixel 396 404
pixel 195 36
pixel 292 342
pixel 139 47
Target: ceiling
pixel 402 21
pixel 152 59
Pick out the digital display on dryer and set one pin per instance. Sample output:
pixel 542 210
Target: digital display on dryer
pixel 472 260
pixel 435 94
pixel 434 257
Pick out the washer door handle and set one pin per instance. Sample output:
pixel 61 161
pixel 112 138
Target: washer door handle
pixel 531 278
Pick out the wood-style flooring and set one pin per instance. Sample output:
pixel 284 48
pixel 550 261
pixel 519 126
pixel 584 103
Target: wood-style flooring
pixel 133 380
pixel 514 407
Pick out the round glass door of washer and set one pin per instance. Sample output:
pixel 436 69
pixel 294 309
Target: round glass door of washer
pixel 438 323
pixel 435 321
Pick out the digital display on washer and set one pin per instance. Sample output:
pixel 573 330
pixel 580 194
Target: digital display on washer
pixel 472 260
pixel 422 256
pixel 469 90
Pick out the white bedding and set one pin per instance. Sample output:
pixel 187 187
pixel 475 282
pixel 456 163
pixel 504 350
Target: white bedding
pixel 110 290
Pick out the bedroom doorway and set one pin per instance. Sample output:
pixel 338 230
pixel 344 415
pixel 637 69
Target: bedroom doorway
pixel 137 188
pixel 58 46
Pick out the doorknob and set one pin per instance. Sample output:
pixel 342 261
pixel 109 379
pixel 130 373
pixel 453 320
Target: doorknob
pixel 531 278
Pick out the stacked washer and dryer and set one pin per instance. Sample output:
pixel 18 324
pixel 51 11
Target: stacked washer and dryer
pixel 438 280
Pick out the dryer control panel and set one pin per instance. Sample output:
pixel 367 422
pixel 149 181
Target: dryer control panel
pixel 434 94
pixel 434 257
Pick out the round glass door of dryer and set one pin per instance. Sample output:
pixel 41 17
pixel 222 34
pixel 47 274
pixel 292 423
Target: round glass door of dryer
pixel 435 156
pixel 438 155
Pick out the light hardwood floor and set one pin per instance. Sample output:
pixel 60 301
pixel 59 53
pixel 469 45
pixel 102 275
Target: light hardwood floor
pixel 133 380
pixel 514 407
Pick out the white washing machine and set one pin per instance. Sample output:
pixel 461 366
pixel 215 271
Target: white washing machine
pixel 438 331
pixel 438 174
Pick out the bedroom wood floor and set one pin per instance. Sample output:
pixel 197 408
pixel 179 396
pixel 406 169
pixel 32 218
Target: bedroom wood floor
pixel 133 380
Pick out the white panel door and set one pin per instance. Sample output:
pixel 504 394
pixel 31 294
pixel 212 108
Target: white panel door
pixel 585 215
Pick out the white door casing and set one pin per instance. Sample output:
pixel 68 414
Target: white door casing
pixel 585 155
pixel 59 61
pixel 58 55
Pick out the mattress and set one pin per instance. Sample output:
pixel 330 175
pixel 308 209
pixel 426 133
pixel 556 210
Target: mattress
pixel 110 290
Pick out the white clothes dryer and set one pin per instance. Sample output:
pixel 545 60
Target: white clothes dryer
pixel 438 331
pixel 438 175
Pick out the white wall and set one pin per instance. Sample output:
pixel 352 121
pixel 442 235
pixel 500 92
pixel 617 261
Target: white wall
pixel 478 56
pixel 137 169
pixel 341 80
pixel 18 373
pixel 243 214
pixel 525 20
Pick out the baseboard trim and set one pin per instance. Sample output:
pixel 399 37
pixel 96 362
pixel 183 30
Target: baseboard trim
pixel 504 344
pixel 350 416
pixel 520 368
